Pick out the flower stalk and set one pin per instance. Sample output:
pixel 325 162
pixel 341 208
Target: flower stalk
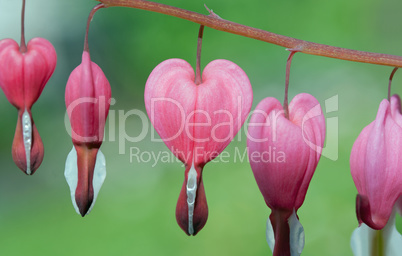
pixel 91 15
pixel 288 64
pixel 23 46
pixel 390 82
pixel 198 79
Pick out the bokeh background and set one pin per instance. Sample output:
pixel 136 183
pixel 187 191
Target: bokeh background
pixel 135 210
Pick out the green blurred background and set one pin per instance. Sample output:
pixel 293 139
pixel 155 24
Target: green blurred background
pixel 135 210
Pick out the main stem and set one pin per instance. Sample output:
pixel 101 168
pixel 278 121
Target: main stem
pixel 23 46
pixel 217 23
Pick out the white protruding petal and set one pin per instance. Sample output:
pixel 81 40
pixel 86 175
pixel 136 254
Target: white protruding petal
pixel 362 239
pixel 296 235
pixel 27 136
pixel 270 235
pixel 71 174
pixel 392 238
pixel 191 195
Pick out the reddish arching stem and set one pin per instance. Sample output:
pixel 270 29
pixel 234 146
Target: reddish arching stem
pixel 90 17
pixel 23 46
pixel 390 81
pixel 198 79
pixel 288 64
pixel 217 23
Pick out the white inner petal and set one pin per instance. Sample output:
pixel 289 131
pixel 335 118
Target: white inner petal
pixel 361 240
pixel 296 235
pixel 363 236
pixel 71 174
pixel 270 235
pixel 27 136
pixel 191 195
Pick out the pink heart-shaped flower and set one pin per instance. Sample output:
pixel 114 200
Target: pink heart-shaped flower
pixel 284 153
pixel 375 163
pixel 23 75
pixel 196 122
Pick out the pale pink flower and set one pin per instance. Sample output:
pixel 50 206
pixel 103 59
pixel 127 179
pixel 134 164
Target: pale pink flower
pixel 375 163
pixel 196 122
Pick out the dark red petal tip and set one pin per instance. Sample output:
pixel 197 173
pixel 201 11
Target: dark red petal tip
pixel 27 137
pixel 363 213
pixel 200 214
pixel 84 193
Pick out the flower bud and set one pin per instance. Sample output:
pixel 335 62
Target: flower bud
pixel 87 98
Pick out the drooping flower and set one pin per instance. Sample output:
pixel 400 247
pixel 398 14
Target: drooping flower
pixel 88 97
pixel 196 122
pixel 375 163
pixel 284 154
pixel 24 72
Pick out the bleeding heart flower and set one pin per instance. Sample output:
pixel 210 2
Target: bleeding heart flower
pixel 88 97
pixel 284 154
pixel 24 73
pixel 196 122
pixel 375 163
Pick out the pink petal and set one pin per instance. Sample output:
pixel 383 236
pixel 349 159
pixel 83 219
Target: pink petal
pixel 39 64
pixel 284 153
pixel 375 163
pixel 170 98
pixel 11 72
pixel 88 96
pixel 24 75
pixel 223 103
pixel 199 119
